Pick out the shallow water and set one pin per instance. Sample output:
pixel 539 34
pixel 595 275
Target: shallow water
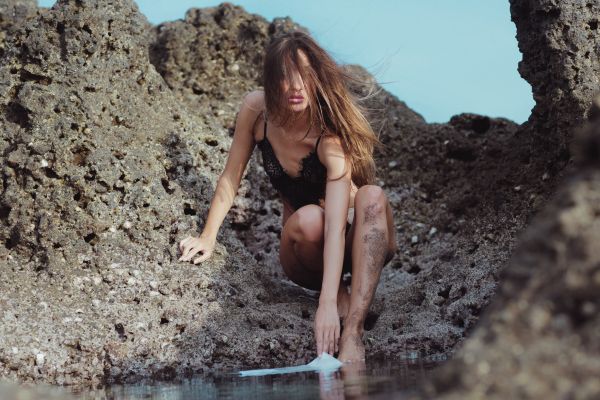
pixel 380 379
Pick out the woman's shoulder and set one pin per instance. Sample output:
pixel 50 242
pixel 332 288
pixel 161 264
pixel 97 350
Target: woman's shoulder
pixel 255 100
pixel 330 138
pixel 330 147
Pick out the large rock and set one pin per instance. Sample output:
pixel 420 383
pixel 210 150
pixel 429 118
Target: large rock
pixel 560 43
pixel 462 189
pixel 103 173
pixel 540 337
pixel 106 165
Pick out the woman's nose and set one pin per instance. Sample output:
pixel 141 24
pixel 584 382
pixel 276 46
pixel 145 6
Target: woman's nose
pixel 296 82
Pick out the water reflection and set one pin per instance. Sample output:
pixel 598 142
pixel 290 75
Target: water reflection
pixel 351 381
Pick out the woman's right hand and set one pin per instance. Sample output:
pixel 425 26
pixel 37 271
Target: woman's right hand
pixel 192 245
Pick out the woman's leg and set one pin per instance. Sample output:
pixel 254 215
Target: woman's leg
pixel 373 244
pixel 301 251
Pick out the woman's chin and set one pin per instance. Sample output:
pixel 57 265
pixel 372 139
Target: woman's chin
pixel 297 107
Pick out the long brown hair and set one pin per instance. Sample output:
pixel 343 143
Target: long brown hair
pixel 331 104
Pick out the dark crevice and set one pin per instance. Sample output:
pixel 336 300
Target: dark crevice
pixel 18 114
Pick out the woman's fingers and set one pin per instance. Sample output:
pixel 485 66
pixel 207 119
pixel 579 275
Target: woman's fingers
pixel 327 340
pixel 319 337
pixel 190 253
pixel 203 257
pixel 184 242
pixel 332 340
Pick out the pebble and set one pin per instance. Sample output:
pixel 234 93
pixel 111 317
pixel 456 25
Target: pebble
pixel 153 285
pixel 127 225
pixel 517 188
pixel 39 359
pixel 392 164
pixel 131 281
pixel 433 231
pixel 546 176
pixel 95 302
pixel 44 163
pixel 483 368
pixel 414 239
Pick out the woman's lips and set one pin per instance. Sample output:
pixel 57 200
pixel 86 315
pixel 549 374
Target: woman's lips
pixel 296 99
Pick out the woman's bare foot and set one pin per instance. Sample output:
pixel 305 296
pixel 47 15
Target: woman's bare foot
pixel 343 301
pixel 352 348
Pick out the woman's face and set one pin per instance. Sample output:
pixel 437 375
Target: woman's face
pixel 295 93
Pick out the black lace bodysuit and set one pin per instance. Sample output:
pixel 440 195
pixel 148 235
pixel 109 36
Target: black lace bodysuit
pixel 308 187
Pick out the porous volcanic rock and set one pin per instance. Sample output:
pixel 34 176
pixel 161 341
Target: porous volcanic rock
pixel 103 173
pixel 539 339
pixel 460 191
pixel 106 165
pixel 12 13
pixel 560 43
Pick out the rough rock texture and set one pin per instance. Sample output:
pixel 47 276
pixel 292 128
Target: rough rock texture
pixel 12 13
pixel 106 165
pixel 540 338
pixel 462 190
pixel 560 43
pixel 103 172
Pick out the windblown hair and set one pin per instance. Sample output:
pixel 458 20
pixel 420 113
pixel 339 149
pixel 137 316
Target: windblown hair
pixel 331 104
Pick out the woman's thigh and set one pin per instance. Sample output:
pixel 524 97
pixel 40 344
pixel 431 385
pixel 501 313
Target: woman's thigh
pixel 306 225
pixel 303 231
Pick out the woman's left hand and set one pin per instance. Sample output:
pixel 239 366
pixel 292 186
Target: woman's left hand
pixel 327 327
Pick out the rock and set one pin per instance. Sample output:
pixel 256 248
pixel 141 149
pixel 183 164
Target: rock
pixel 560 43
pixel 114 133
pixel 546 308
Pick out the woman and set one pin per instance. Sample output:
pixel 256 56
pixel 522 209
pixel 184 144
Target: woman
pixel 317 150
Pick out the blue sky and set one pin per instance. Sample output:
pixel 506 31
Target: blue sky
pixel 440 57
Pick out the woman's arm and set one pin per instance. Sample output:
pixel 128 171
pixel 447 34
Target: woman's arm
pixel 337 201
pixel 239 153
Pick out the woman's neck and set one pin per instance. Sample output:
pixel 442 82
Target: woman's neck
pixel 300 124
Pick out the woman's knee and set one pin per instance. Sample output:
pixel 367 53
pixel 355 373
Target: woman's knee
pixel 309 223
pixel 371 199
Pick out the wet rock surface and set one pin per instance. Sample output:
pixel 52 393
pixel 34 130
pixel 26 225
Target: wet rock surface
pixel 114 133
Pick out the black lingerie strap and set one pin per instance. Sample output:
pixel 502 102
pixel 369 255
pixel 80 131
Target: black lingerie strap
pixel 265 129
